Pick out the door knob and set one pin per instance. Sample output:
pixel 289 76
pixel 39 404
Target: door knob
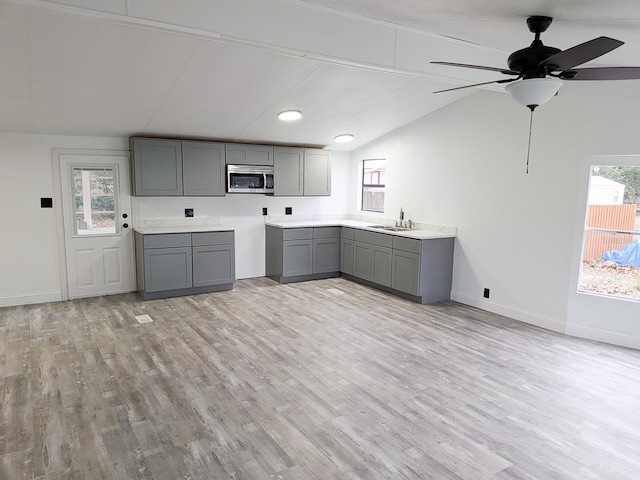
pixel 124 215
pixel 125 225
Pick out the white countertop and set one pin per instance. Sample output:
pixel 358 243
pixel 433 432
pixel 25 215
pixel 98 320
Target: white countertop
pixel 417 234
pixel 182 229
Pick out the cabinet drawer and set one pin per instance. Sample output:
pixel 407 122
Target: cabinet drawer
pixel 297 234
pixel 407 244
pixel 211 238
pixel 326 232
pixel 348 233
pixel 374 238
pixel 167 240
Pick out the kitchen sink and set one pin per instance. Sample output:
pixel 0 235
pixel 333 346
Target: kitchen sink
pixel 390 229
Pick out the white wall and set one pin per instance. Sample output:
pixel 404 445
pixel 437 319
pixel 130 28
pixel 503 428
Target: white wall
pixel 465 166
pixel 30 264
pixel 30 268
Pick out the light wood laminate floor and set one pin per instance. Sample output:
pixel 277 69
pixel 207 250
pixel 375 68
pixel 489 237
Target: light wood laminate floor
pixel 295 382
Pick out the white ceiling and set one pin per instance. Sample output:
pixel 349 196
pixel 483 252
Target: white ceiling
pixel 223 70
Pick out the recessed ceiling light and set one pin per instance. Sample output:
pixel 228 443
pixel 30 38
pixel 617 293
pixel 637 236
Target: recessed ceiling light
pixel 345 138
pixel 290 115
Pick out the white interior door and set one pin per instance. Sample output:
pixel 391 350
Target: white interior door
pixel 98 237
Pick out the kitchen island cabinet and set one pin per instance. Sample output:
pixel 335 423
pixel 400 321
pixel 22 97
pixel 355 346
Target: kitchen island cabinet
pixel 175 264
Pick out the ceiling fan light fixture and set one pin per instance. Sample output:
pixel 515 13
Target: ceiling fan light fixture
pixel 344 138
pixel 533 92
pixel 290 115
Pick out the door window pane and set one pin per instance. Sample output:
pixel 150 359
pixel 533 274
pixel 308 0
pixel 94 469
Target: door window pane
pixel 95 200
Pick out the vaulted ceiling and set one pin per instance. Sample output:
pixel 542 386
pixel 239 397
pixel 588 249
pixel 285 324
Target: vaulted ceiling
pixel 223 69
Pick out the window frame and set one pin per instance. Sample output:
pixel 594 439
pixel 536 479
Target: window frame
pixel 371 185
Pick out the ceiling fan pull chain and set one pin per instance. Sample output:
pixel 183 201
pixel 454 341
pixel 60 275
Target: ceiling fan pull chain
pixel 529 146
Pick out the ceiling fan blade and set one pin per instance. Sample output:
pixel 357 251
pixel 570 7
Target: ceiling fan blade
pixel 604 73
pixel 581 53
pixel 505 80
pixel 506 71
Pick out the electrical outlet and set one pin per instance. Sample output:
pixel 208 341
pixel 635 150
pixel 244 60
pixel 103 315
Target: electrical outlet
pixel 288 211
pixel 486 293
pixel 264 211
pixel 46 202
pixel 188 212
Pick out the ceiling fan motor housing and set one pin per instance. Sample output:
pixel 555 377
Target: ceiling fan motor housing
pixel 527 61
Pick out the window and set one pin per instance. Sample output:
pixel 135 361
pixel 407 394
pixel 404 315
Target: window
pixel 94 200
pixel 373 178
pixel 611 243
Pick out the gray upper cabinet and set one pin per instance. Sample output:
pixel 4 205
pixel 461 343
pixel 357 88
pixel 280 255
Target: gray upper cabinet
pixel 317 172
pixel 302 171
pixel 156 167
pixel 288 168
pixel 203 166
pixel 238 154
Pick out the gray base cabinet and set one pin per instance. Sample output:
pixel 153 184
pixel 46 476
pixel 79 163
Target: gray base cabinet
pixel 169 265
pixel 167 269
pixel 372 256
pixel 213 258
pixel 346 250
pixel 419 270
pixel 299 254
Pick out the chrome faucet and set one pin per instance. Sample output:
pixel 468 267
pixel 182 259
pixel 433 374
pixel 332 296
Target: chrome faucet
pixel 399 223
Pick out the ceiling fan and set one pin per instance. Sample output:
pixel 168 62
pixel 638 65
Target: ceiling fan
pixel 539 69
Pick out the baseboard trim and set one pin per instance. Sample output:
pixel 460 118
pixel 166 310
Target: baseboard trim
pixel 16 300
pixel 603 336
pixel 526 317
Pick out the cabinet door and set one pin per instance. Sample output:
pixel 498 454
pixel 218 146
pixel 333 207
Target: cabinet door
pixel 317 172
pixel 213 265
pixel 287 171
pixel 261 154
pixel 167 269
pixel 381 265
pixel 326 255
pixel 297 258
pixel 203 169
pixel 237 154
pixel 362 260
pixel 406 272
pixel 346 256
pixel 156 167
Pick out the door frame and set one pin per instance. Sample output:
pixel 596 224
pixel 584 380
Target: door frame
pixel 56 153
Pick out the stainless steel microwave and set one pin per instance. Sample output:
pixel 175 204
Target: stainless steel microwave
pixel 249 179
